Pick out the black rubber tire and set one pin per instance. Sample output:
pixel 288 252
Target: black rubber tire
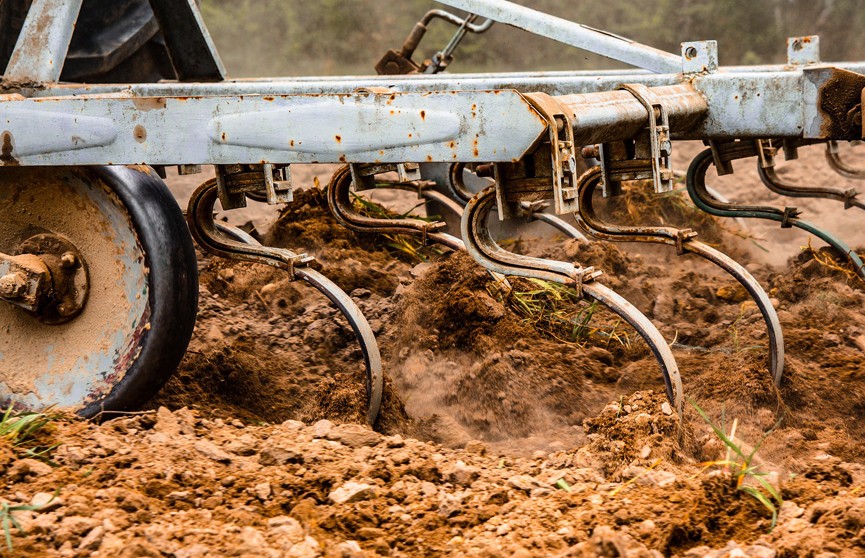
pixel 142 299
pixel 173 285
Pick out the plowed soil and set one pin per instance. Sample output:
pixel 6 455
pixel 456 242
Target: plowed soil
pixel 498 436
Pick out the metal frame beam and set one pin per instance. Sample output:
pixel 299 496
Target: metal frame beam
pixel 42 45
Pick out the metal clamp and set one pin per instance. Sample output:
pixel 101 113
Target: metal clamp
pixel 660 145
pixel 363 175
pixel 563 150
pixel 263 182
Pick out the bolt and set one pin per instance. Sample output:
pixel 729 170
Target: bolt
pixel 65 309
pixel 68 260
pixel 13 285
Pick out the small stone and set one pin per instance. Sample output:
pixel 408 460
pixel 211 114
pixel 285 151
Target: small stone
pixel 46 501
pixel 347 549
pixel 166 422
pixel 354 435
pixel 292 424
pixel 351 492
pixel 476 447
pixel 211 451
pixel 524 482
pixel 666 408
pixel 757 551
pixel 450 505
pixel 78 525
pixel 214 335
pixel 254 542
pixel 307 548
pixel 646 452
pixel 178 496
pixel 280 456
pixel 462 474
pixel 93 539
pixel 28 467
pixel 285 531
pixel 321 428
pixel 646 528
pixel 789 510
pixel 797 524
pixel 262 491
pixel 268 291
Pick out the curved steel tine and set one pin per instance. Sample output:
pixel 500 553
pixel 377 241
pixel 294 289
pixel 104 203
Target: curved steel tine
pixel 463 195
pixel 788 217
pixel 227 241
pixel 424 192
pixel 445 239
pixel 553 220
pixel 774 182
pixel 484 249
pixel 833 156
pixel 339 202
pixel 683 240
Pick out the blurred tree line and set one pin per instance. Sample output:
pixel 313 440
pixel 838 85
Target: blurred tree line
pixel 329 37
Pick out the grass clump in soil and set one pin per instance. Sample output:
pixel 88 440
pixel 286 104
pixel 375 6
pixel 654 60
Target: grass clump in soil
pixel 26 432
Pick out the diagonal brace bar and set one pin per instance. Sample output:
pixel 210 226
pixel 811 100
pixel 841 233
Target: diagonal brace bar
pixel 44 40
pixel 573 34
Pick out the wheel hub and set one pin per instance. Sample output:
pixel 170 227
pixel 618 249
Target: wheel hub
pixel 47 277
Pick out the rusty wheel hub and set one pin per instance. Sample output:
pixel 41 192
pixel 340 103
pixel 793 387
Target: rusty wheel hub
pixel 47 277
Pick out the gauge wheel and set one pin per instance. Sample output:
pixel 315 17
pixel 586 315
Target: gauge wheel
pixel 136 289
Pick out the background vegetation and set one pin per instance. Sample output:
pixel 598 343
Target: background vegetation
pixel 327 37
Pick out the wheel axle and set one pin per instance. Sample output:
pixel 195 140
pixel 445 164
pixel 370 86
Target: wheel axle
pixel 47 277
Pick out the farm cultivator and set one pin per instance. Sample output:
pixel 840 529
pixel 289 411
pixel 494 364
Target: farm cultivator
pixel 97 268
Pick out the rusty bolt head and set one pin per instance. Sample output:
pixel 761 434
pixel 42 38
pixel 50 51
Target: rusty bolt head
pixel 13 285
pixel 68 260
pixel 65 309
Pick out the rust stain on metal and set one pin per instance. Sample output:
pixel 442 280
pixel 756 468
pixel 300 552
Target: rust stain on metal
pixel 423 115
pixel 139 133
pixel 838 95
pixel 149 103
pixel 6 150
pixel 338 138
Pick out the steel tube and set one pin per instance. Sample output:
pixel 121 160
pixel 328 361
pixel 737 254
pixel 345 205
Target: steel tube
pixel 573 34
pixel 618 115
pixel 41 49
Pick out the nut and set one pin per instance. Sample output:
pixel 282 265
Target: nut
pixel 68 260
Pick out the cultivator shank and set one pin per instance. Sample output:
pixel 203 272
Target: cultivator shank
pixel 531 137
